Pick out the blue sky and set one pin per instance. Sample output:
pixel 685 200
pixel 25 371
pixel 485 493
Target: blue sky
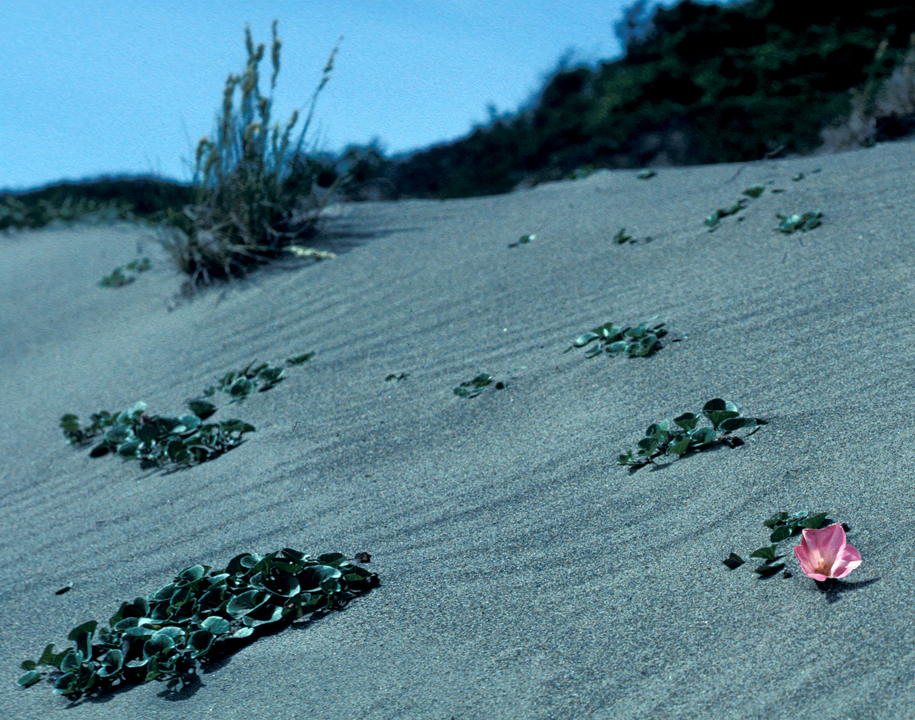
pixel 106 86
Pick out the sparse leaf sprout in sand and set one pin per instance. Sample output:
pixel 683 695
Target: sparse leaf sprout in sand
pixel 474 386
pixel 164 635
pixel 241 383
pixel 686 436
pixel 523 240
pixel 119 277
pixel 639 341
pixel 803 222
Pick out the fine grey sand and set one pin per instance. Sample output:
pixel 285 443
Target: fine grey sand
pixel 523 573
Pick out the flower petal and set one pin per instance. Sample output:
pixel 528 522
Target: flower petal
pixel 808 561
pixel 847 561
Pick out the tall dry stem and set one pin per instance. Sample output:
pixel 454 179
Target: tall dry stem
pixel 253 196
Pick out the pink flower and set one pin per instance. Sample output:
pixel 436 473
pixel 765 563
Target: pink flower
pixel 824 553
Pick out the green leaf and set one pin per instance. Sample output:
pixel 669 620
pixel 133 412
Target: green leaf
pixel 111 663
pixel 311 577
pixel 82 636
pixel 299 359
pixel 159 643
pixel 263 614
pixel 733 561
pixel 766 553
pixel 202 408
pixel 191 575
pixel 718 410
pixel 736 423
pixel 647 445
pixel 815 522
pixel 765 571
pixel 679 447
pixel 30 678
pixel 780 533
pixel 687 421
pixel 129 449
pixel 585 338
pixel 702 436
pixel 241 388
pixel 236 426
pixel 200 643
pixel 245 602
pixel 71 661
pixel 66 684
pixel 216 625
pixel 49 657
pixel 271 375
pixel 754 191
pixel 277 582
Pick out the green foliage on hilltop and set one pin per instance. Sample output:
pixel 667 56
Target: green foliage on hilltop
pixel 121 198
pixel 699 83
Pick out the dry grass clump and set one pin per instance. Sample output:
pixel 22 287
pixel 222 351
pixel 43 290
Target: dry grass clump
pixel 881 110
pixel 255 190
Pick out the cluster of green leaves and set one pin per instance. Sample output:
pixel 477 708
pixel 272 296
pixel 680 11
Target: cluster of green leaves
pixel 165 634
pixel 803 222
pixel 687 436
pixel 782 525
pixel 639 341
pixel 156 440
pixel 474 386
pixel 185 440
pixel 121 276
pixel 241 383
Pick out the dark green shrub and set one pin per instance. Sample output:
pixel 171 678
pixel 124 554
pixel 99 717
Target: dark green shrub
pixel 166 634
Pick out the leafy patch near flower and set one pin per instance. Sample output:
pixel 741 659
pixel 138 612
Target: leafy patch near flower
pixel 167 633
pixel 474 386
pixel 782 526
pixel 157 440
pixel 800 222
pixel 686 436
pixel 239 384
pixel 639 341
pixel 122 275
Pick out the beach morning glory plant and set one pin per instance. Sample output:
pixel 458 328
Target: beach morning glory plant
pixel 825 553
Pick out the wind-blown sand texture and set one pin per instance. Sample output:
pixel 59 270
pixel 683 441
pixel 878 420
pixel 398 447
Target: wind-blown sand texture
pixel 523 573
